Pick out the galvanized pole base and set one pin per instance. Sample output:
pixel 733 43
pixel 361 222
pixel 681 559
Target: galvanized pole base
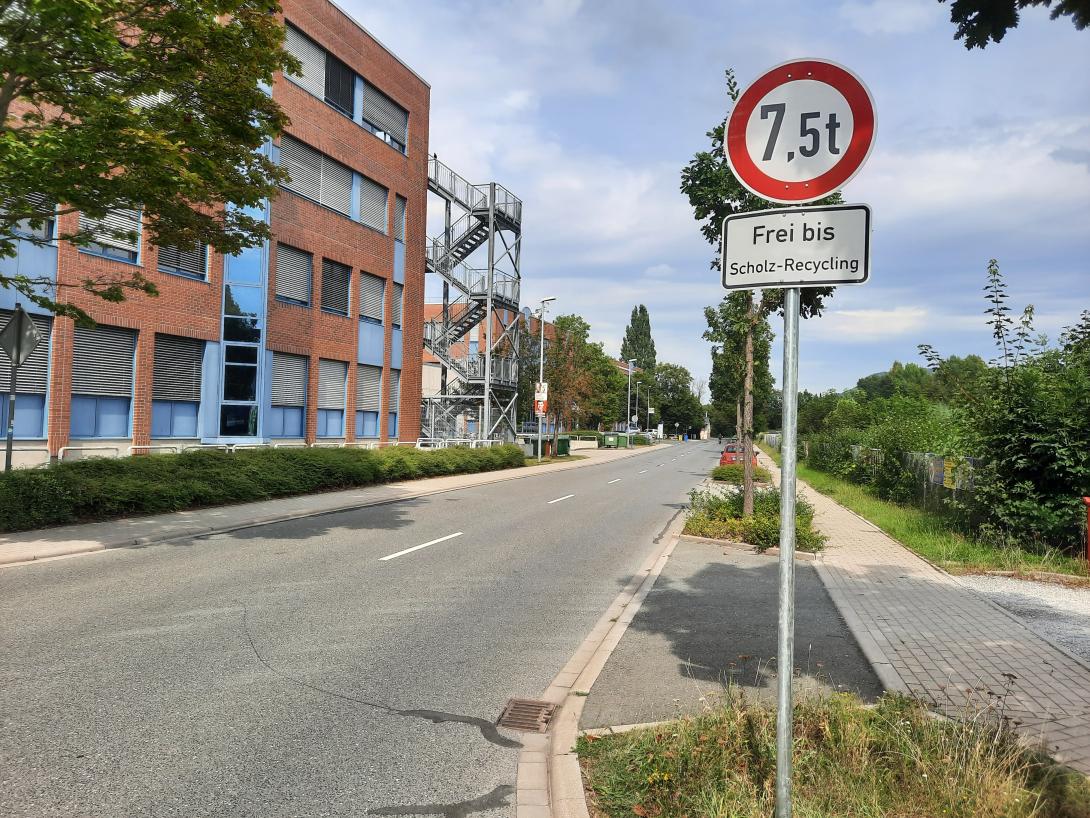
pixel 785 661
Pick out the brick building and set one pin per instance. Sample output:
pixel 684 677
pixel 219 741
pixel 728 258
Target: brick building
pixel 313 338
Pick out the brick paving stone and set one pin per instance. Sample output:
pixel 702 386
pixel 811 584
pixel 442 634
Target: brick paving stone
pixel 950 645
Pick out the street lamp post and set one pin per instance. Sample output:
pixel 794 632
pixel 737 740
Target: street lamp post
pixel 637 413
pixel 541 366
pixel 628 414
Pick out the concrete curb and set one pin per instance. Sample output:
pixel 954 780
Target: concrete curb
pixel 551 786
pixel 52 551
pixel 807 556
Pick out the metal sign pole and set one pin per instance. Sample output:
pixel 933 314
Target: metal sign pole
pixel 785 661
pixel 11 402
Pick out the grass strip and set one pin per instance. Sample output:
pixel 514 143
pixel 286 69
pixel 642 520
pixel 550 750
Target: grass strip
pixel 893 760
pixel 930 535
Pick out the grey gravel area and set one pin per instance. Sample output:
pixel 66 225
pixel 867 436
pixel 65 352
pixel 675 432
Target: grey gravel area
pixel 1056 612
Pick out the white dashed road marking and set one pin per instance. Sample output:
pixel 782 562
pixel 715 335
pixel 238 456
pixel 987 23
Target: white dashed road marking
pixel 558 499
pixel 418 547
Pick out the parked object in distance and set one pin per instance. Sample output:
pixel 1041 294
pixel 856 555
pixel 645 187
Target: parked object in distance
pixel 734 453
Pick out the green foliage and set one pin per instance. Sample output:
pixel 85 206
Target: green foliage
pixel 106 488
pixel 894 759
pixel 980 22
pixel 735 473
pixel 638 342
pixel 676 401
pixel 71 132
pixel 718 515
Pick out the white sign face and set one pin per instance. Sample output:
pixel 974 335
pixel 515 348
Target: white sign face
pixel 651 411
pixel 541 391
pixel 796 247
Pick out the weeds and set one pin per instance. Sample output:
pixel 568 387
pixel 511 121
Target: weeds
pixel 718 515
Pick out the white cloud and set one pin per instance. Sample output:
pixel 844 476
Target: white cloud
pixel 890 16
pixel 869 324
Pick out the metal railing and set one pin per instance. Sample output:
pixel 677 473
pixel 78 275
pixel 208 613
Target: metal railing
pixel 456 186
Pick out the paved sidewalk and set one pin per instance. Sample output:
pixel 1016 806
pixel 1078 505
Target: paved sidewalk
pixel 65 540
pixel 936 638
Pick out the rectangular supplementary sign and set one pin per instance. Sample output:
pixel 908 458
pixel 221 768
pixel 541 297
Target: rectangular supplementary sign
pixel 796 247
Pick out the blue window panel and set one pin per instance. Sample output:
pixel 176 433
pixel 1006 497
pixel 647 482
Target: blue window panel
pixel 366 424
pixel 371 343
pixel 29 415
pixel 474 346
pixel 471 427
pixel 391 425
pixel 94 416
pixel 247 266
pixel 399 262
pixel 330 422
pixel 285 421
pixel 174 418
pixel 395 350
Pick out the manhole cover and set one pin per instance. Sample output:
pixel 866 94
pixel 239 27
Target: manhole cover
pixel 529 715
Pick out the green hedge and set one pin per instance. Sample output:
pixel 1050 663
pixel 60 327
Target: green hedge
pixel 718 515
pixel 735 473
pixel 107 488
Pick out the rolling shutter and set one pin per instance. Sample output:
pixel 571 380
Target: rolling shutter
pixel 340 85
pixel 399 297
pixel 331 381
pixel 312 58
pixel 111 230
pixel 368 388
pixel 177 371
pixel 36 203
pixel 336 190
pixel 335 284
pixel 289 380
pixel 399 218
pixel 373 201
pixel 372 291
pixel 34 373
pixel 385 114
pixel 294 270
pixel 303 165
pixel 191 261
pixel 395 389
pixel 102 361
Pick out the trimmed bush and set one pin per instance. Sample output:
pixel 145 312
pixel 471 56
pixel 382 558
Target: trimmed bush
pixel 735 474
pixel 718 515
pixel 107 488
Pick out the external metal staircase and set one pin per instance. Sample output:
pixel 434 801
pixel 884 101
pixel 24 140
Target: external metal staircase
pixel 480 386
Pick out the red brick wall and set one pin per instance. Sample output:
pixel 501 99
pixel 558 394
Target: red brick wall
pixel 192 308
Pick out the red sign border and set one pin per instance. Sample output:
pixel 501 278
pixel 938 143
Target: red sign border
pixel 777 190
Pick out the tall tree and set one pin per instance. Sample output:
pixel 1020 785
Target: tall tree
pixel 123 104
pixel 715 193
pixel 638 342
pixel 980 22
pixel 677 402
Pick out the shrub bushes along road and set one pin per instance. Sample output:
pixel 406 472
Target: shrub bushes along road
pixel 105 489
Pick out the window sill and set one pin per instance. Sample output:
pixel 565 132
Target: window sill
pixel 336 313
pixel 285 302
pixel 188 276
pixel 86 252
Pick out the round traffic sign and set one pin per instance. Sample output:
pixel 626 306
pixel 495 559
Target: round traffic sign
pixel 801 131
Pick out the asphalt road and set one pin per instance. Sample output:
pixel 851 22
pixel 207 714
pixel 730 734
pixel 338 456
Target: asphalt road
pixel 290 670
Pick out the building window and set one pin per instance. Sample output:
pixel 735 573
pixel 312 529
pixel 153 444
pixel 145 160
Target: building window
pixel 32 384
pixel 374 200
pixel 372 294
pixel 336 282
pixel 294 273
pixel 116 235
pixel 399 301
pixel 332 383
pixel 394 402
pixel 191 262
pixel 38 228
pixel 176 386
pixel 312 59
pixel 399 218
pixel 368 400
pixel 316 176
pixel 385 118
pixel 102 376
pixel 289 395
pixel 340 85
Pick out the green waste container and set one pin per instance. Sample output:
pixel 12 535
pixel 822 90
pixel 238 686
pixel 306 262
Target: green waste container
pixel 563 446
pixel 623 442
pixel 609 441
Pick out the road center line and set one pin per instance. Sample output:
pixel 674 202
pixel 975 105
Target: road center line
pixel 558 499
pixel 618 480
pixel 643 471
pixel 418 547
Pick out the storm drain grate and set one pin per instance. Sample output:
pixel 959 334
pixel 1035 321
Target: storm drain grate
pixel 529 715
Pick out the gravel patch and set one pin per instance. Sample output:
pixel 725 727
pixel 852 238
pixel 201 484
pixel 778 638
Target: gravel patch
pixel 1058 613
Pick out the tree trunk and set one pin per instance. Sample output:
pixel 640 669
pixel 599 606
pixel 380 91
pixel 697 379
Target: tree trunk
pixel 738 419
pixel 747 414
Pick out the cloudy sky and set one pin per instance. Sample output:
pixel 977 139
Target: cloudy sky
pixel 588 111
